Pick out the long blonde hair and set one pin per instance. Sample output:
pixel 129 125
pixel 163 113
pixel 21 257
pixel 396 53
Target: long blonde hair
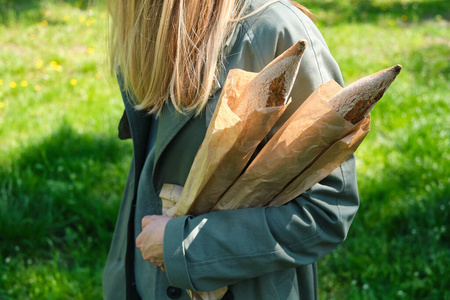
pixel 171 49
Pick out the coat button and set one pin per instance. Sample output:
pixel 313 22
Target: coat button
pixel 228 295
pixel 173 292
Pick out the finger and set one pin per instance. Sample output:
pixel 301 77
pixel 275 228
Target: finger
pixel 156 261
pixel 145 221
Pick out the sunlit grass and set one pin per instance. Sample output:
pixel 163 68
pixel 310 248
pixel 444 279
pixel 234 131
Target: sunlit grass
pixel 398 244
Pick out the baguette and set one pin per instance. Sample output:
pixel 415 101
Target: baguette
pixel 247 100
pixel 356 101
pixel 272 86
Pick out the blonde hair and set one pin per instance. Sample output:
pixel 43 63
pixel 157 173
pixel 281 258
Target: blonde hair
pixel 171 49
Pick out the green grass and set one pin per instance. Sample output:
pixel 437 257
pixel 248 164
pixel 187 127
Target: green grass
pixel 398 245
pixel 62 168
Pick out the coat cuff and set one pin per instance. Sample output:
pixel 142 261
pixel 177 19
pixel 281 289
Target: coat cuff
pixel 174 254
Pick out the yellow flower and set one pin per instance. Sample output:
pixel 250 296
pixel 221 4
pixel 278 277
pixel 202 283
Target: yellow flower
pixel 43 23
pixel 2 104
pixel 47 13
pixel 37 88
pixel 73 81
pixel 66 19
pixel 98 75
pixel 1 82
pixel 90 50
pixel 89 22
pixel 39 64
pixel 24 83
pixel 31 36
pixel 55 66
pixel 404 18
pixel 82 19
pixel 12 85
pixel 103 15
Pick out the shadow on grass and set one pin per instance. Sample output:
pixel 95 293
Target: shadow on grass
pixel 63 192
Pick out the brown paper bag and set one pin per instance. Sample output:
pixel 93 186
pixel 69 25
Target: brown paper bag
pixel 324 164
pixel 229 143
pixel 312 130
pixel 249 106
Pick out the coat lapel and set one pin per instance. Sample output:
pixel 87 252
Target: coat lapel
pixel 170 123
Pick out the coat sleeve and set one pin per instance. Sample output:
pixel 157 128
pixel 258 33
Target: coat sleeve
pixel 221 248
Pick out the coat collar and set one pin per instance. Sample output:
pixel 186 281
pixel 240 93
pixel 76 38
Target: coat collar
pixel 170 122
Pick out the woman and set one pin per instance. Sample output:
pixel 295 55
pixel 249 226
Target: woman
pixel 173 57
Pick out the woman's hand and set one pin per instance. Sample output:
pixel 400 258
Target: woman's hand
pixel 150 240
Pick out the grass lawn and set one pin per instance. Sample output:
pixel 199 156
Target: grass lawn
pixel 62 168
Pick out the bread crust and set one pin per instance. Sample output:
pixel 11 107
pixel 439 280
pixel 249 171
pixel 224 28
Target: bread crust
pixel 356 101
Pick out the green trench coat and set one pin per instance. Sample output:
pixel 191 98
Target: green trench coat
pixel 259 253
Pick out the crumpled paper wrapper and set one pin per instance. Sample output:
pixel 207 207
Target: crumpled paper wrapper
pixel 248 108
pixel 296 157
pixel 229 144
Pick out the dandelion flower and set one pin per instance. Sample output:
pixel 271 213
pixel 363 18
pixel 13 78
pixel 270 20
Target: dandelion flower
pixel 98 75
pixel 73 81
pixel 37 88
pixel 24 83
pixel 31 36
pixel 103 15
pixel 2 105
pixel 90 50
pixel 1 82
pixel 82 19
pixel 55 66
pixel 66 19
pixel 43 23
pixel 39 64
pixel 12 85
